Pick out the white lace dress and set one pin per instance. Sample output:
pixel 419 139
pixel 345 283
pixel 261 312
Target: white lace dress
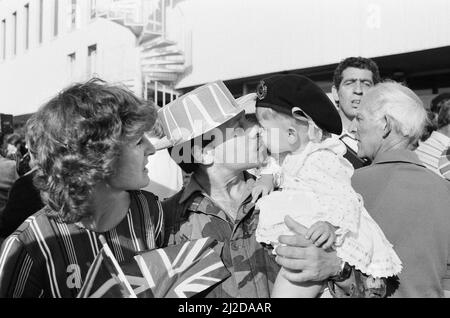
pixel 316 186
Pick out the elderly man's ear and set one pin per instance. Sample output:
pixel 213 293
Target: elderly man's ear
pixel 387 127
pixel 203 155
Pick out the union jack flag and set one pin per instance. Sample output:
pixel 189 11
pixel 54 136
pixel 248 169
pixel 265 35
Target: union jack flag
pixel 178 271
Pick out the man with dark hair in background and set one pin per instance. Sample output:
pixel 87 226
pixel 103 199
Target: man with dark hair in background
pixel 352 78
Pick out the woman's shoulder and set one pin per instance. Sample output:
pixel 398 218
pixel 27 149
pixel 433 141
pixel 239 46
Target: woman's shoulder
pixel 37 226
pixel 149 205
pixel 147 201
pixel 147 194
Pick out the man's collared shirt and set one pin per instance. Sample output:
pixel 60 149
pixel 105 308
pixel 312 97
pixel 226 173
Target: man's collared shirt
pixel 430 150
pixel 192 214
pixel 349 140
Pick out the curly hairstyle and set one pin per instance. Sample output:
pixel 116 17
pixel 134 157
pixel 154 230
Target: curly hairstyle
pixel 435 106
pixel 430 125
pixel 76 139
pixel 356 62
pixel 443 118
pixel 438 101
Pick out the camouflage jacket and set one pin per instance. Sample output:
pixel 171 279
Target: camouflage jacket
pixel 191 214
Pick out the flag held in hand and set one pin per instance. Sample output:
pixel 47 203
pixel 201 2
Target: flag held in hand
pixel 178 271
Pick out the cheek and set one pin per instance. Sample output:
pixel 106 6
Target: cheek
pixel 364 137
pixel 275 135
pixel 344 93
pixel 368 138
pixel 131 163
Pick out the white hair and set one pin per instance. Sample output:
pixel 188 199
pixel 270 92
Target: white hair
pixel 401 105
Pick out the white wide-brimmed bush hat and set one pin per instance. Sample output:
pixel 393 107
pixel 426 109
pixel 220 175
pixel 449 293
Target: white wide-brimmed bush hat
pixel 196 113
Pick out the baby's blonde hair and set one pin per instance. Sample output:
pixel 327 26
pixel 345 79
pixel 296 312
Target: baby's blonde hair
pixel 269 113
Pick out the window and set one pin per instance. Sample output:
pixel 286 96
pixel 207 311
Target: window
pixel 27 26
pixel 71 60
pixel 72 12
pixel 41 20
pixel 3 39
pixel 14 33
pixel 92 60
pixel 55 17
pixel 155 18
pixel 92 9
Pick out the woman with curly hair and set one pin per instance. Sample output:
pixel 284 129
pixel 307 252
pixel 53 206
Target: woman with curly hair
pixel 90 153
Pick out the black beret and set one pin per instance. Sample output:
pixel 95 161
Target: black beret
pixel 284 92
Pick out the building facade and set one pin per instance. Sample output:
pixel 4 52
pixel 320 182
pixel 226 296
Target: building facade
pixel 47 44
pixel 162 48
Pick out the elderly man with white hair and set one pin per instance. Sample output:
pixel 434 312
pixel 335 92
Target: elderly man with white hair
pixel 408 201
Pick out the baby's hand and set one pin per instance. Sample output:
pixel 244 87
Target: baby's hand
pixel 322 234
pixel 263 186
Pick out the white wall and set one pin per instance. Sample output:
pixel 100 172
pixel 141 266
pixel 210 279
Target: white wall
pixel 33 76
pixel 241 38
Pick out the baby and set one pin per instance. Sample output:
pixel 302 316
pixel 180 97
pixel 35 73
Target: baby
pixel 297 118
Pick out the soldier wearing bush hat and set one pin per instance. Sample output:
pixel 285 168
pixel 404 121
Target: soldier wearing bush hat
pixel 215 201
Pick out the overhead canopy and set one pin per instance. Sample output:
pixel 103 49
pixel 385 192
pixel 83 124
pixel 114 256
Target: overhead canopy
pixel 418 69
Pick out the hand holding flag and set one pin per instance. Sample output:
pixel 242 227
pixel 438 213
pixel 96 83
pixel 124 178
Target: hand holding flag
pixel 175 271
